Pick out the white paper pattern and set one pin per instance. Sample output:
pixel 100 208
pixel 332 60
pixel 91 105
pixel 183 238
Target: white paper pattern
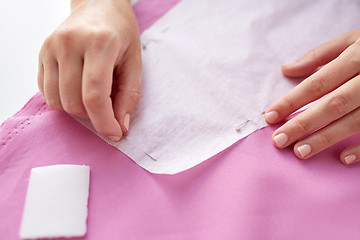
pixel 210 67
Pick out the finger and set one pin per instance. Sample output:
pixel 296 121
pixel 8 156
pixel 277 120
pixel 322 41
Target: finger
pixel 96 91
pixel 319 56
pixel 329 135
pixel 317 85
pixel 51 84
pixel 351 154
pixel 334 106
pixel 42 57
pixel 41 79
pixel 127 92
pixel 70 81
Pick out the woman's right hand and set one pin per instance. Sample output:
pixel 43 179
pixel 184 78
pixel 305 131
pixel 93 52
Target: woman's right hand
pixel 90 66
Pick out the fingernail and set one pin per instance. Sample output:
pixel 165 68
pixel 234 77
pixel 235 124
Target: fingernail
pixel 350 159
pixel 304 150
pixel 127 121
pixel 281 139
pixel 271 117
pixel 115 138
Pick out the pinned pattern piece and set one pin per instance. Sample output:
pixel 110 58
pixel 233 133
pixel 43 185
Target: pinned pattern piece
pixel 210 64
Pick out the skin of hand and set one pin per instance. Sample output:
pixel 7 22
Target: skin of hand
pixel 90 66
pixel 334 117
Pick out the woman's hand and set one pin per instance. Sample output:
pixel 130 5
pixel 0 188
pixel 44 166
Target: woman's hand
pixel 90 66
pixel 333 118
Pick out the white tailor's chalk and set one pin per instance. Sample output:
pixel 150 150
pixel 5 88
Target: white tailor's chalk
pixel 56 202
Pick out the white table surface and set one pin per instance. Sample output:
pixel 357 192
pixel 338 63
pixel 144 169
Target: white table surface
pixel 24 24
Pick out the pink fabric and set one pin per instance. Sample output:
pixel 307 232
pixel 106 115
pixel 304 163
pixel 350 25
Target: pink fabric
pixel 148 11
pixel 250 191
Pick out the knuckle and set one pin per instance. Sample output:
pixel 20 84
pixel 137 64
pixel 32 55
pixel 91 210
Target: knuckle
pixel 337 105
pixel 316 85
pixel 47 42
pixel 313 53
pixel 73 108
pixel 325 139
pixel 301 125
pixel 54 104
pixel 46 50
pixel 64 36
pixel 289 103
pixel 102 129
pixel 135 97
pixel 354 55
pixel 101 37
pixel 93 99
pixel 314 56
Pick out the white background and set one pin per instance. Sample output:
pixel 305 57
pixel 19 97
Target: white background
pixel 24 24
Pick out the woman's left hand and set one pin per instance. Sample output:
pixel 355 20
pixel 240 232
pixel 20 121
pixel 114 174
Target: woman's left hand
pixel 333 118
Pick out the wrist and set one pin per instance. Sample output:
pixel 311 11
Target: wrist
pixel 76 3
